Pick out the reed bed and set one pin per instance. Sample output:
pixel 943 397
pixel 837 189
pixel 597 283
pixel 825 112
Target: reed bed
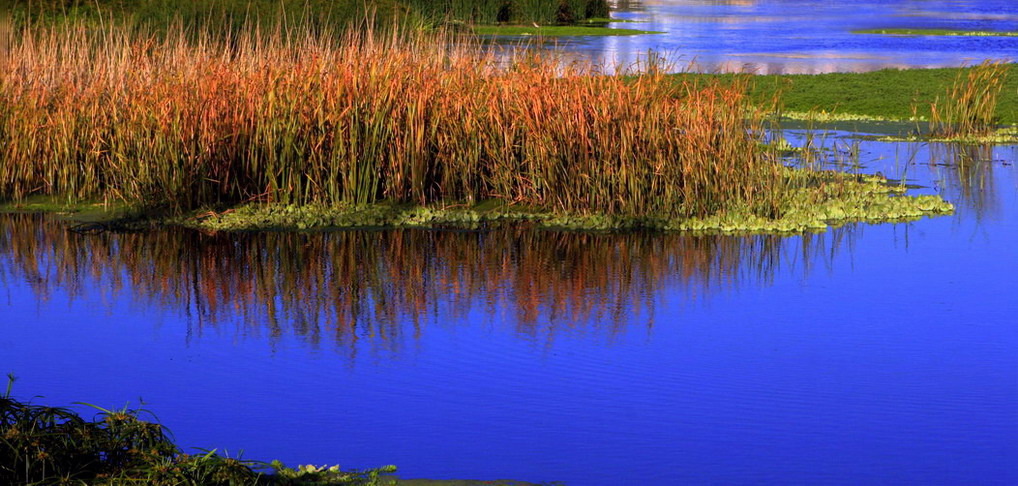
pixel 305 117
pixel 969 106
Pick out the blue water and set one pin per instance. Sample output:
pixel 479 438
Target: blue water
pixel 866 354
pixel 805 36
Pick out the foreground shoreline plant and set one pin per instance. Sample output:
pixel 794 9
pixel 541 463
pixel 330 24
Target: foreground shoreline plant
pixel 49 445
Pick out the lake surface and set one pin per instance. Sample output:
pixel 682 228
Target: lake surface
pixel 865 354
pixel 804 36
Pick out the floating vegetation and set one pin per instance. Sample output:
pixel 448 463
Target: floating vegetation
pixel 947 32
pixel 49 445
pixel 1005 135
pixel 819 201
pixel 825 116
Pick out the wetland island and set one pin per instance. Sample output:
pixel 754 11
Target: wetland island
pixel 508 242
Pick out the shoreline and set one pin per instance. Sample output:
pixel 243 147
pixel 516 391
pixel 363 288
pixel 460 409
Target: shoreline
pixel 847 199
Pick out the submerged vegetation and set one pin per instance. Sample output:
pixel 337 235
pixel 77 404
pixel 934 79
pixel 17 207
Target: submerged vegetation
pixel 305 118
pixel 49 445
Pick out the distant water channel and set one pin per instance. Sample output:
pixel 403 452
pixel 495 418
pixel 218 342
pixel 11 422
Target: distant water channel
pixel 865 354
pixel 803 36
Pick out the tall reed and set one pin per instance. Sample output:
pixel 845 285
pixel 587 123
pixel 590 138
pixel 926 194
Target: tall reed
pixel 308 117
pixel 970 104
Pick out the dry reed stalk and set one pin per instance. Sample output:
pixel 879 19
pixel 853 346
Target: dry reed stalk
pixel 970 104
pixel 187 120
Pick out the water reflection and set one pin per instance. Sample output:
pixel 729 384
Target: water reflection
pixel 803 36
pixel 966 173
pixel 389 286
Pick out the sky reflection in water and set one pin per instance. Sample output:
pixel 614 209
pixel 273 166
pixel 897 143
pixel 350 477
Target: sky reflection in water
pixel 803 36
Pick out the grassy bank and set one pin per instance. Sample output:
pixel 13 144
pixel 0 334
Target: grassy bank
pixel 889 94
pixel 556 31
pixel 49 445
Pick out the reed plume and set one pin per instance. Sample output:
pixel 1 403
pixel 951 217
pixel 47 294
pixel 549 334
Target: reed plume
pixel 305 117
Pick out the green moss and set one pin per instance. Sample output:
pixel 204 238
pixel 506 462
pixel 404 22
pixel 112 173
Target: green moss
pixel 813 202
pixel 555 31
pixel 948 32
pixel 77 212
pixel 816 201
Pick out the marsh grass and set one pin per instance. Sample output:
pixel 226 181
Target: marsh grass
pixel 48 445
pixel 968 109
pixel 304 117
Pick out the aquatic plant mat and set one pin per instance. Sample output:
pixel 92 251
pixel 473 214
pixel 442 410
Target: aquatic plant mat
pixel 358 124
pixel 945 32
pixel 837 200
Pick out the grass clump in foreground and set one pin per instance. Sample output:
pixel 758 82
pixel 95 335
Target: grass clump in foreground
pixel 48 445
pixel 179 123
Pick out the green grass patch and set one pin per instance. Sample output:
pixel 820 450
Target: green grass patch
pixel 947 32
pixel 888 94
pixel 555 31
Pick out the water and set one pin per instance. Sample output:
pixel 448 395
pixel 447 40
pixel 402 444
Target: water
pixel 805 36
pixel 868 353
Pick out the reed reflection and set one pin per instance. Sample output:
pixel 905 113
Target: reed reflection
pixel 967 176
pixel 390 286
